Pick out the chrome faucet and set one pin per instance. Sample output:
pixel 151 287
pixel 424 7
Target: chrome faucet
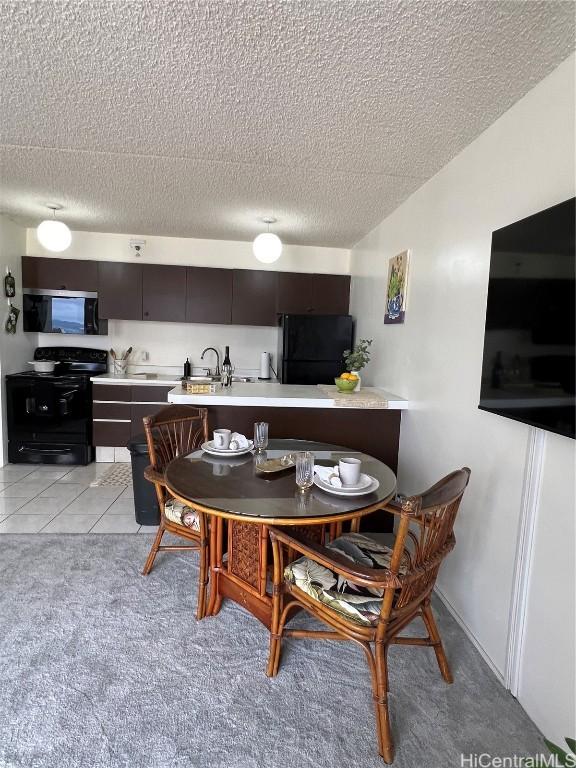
pixel 211 349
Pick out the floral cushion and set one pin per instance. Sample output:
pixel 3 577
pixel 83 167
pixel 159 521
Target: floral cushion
pixel 357 603
pixel 179 513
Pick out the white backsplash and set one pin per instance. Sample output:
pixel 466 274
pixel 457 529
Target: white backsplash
pixel 169 344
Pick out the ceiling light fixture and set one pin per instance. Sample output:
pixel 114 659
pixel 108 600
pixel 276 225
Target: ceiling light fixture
pixel 54 235
pixel 267 247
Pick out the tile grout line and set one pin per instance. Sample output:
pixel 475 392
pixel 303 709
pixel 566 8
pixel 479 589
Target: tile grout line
pixel 39 497
pixel 106 510
pixel 72 502
pixel 63 508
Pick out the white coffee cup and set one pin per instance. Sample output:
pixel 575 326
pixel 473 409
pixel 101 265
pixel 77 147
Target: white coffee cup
pixel 349 469
pixel 222 438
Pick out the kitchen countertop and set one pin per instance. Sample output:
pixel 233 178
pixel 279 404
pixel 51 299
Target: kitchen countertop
pixel 273 395
pixel 147 378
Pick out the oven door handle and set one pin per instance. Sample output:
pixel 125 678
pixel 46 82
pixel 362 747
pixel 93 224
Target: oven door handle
pixel 23 449
pixel 64 402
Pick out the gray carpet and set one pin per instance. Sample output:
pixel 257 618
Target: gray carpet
pixel 103 668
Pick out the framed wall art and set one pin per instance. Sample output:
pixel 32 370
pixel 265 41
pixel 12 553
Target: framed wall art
pixel 396 288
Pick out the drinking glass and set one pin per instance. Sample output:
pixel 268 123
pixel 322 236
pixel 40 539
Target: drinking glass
pixel 261 435
pixel 304 470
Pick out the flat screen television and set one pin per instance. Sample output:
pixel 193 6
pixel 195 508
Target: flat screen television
pixel 528 363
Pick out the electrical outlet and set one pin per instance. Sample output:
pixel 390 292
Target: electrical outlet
pixel 145 356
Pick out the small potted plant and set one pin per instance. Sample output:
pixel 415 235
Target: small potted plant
pixel 356 359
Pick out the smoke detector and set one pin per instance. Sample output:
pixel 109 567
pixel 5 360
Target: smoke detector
pixel 137 246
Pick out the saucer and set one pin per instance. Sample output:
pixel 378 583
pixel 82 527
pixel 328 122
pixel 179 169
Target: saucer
pixel 210 448
pixel 364 482
pixel 360 490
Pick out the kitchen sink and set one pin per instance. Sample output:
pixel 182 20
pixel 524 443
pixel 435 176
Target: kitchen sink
pixel 218 379
pixel 205 378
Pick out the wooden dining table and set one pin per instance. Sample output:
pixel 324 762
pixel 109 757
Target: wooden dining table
pixel 242 502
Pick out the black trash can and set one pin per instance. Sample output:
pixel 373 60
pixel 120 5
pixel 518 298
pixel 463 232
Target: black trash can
pixel 145 499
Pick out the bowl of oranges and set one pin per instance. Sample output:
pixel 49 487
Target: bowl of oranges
pixel 346 382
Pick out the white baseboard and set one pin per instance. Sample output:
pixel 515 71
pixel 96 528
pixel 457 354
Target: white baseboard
pixel 110 455
pixel 471 636
pixel 104 454
pixel 533 469
pixel 122 454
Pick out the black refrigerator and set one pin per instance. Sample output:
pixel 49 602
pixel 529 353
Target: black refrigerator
pixel 311 347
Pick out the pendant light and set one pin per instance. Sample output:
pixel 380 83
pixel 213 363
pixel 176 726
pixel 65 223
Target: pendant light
pixel 54 235
pixel 267 247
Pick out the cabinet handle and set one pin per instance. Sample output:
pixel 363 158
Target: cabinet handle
pixel 146 314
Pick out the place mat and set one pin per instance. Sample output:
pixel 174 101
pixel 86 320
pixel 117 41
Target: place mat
pixel 366 398
pixel 117 474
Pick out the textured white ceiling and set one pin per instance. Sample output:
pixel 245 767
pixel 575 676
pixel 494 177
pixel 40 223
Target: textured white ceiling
pixel 193 119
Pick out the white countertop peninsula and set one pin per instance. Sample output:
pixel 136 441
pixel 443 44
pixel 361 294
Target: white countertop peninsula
pixel 274 395
pixel 163 380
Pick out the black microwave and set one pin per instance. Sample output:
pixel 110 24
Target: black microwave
pixel 74 312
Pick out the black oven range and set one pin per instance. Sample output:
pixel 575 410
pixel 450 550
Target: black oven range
pixel 50 414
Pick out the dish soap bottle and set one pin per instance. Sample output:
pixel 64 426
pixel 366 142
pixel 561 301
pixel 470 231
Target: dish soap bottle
pixel 227 369
pixel 187 369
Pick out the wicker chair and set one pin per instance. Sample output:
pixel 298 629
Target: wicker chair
pixel 176 431
pixel 377 589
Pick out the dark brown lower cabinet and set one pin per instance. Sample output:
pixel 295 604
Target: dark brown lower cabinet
pixel 114 434
pixel 111 411
pixel 112 392
pixel 138 413
pixel 118 410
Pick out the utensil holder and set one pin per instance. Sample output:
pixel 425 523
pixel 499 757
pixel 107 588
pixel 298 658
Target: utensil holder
pixel 120 367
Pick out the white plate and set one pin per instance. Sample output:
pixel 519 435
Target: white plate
pixel 365 481
pixel 209 448
pixel 373 486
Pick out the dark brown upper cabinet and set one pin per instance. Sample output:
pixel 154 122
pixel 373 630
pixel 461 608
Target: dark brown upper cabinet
pixel 300 293
pixel 254 297
pixel 331 294
pixel 164 293
pixel 120 290
pixel 59 274
pixel 209 295
pixel 295 293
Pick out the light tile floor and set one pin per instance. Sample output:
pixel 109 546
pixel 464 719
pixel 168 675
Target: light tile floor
pixel 46 499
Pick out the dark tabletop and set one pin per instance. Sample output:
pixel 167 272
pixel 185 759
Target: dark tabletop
pixel 235 486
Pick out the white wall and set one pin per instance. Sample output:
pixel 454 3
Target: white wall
pixel 522 164
pixel 168 344
pixel 548 671
pixel 15 350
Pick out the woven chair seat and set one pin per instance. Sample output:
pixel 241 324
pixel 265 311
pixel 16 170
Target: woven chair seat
pixel 177 512
pixel 352 601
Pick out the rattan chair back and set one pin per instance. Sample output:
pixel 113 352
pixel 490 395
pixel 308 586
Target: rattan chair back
pixel 175 431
